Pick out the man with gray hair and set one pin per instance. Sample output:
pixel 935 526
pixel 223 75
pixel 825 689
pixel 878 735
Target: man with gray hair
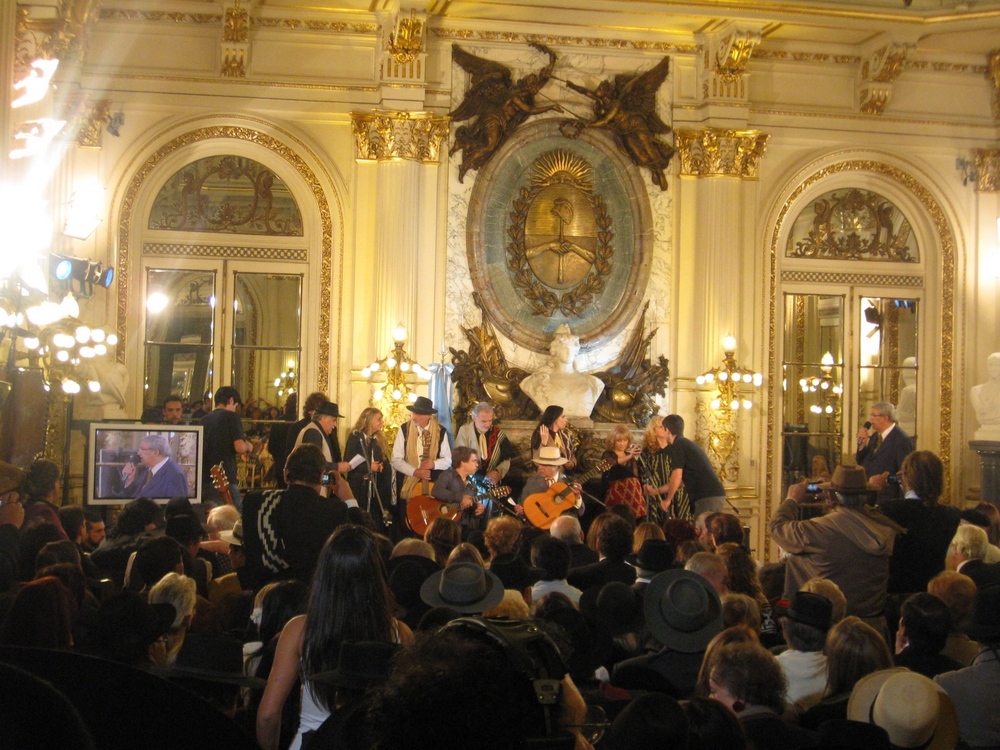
pixel 967 555
pixel 489 441
pixel 882 452
pixel 569 530
pixel 158 475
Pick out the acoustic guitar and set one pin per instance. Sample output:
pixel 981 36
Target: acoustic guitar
pixel 542 508
pixel 423 509
pixel 221 483
pixel 424 499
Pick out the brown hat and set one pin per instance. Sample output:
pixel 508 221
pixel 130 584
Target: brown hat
pixel 850 480
pixel 329 408
pixel 10 477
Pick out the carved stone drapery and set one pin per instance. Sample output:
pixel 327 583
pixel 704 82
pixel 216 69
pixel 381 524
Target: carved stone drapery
pixel 715 151
pixel 385 134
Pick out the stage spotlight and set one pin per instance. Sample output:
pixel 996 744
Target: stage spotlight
pixel 87 273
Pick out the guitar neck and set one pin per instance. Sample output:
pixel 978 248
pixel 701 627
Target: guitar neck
pixel 599 468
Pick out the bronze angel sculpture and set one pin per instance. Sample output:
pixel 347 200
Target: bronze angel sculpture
pixel 626 106
pixel 496 104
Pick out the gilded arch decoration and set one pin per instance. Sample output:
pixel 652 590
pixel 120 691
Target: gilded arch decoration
pixel 946 239
pixel 296 162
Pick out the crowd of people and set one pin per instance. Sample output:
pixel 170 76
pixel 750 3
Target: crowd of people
pixel 312 615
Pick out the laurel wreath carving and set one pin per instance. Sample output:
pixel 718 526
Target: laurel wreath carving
pixel 542 299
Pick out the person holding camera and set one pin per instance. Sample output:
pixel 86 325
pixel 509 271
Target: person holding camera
pixel 851 545
pixel 624 486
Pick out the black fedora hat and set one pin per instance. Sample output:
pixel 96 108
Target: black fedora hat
pixel 809 609
pixel 329 408
pixel 654 556
pixel 683 610
pixel 422 405
pixel 464 587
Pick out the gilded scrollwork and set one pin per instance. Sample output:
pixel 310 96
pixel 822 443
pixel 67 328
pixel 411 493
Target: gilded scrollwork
pixel 407 39
pixel 885 64
pixel 733 54
pixel 872 99
pixel 482 374
pixel 717 433
pixel 236 24
pixel 86 119
pixel 993 73
pixel 853 224
pixel 384 134
pixel 631 386
pixel 987 170
pixel 715 151
pixel 61 37
pixel 560 236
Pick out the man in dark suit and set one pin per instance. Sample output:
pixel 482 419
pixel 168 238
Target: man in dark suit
pixel 614 542
pixel 883 451
pixel 967 555
pixel 569 530
pixel 159 475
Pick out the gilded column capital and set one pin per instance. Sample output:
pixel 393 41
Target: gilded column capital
pixel 987 170
pixel 387 134
pixel 713 152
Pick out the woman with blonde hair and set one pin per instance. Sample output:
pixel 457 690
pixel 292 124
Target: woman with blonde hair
pixel 654 471
pixel 853 649
pixel 622 476
pixel 371 478
pixel 643 531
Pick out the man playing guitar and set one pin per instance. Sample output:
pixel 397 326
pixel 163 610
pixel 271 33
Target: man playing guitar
pixel 421 436
pixel 550 462
pixel 453 486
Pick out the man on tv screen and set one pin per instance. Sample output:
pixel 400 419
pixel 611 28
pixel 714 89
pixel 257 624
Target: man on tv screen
pixel 157 475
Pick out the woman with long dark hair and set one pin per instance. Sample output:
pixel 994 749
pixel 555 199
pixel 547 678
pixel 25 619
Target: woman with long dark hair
pixel 551 430
pixel 350 601
pixel 371 477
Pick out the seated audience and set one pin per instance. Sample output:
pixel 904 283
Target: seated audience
pixel 974 517
pixel 734 634
pixel 178 591
pixel 747 680
pixel 643 531
pixel 924 624
pixel 967 555
pixel 136 521
pixel 742 578
pixel 723 528
pixel 975 690
pixel 40 494
pixel 740 609
pixel 805 625
pixel 853 649
pixel 569 530
pixel 908 706
pixel 466 553
pixel 552 557
pixel 712 726
pixel 827 588
pixel 712 568
pixel 40 616
pixel 958 592
pixel 613 544
pixel 683 613
pixel 443 535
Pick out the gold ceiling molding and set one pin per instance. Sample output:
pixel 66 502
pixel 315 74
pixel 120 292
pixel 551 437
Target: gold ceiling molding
pixel 562 40
pixel 989 131
pixel 763 53
pixel 714 152
pixel 947 244
pixel 388 134
pixel 945 67
pixel 264 22
pixel 269 84
pixel 240 133
pixel 987 171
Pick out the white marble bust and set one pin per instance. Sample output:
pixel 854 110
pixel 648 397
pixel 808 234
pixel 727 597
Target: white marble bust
pixel 985 399
pixel 559 382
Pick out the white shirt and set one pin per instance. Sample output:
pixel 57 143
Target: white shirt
pixel 399 451
pixel 806 675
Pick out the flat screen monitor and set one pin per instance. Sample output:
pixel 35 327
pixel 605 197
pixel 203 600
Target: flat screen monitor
pixel 128 460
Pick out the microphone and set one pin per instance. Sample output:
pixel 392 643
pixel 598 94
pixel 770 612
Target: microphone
pixel 867 426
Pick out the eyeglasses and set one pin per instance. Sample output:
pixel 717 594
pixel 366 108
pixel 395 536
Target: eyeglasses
pixel 595 724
